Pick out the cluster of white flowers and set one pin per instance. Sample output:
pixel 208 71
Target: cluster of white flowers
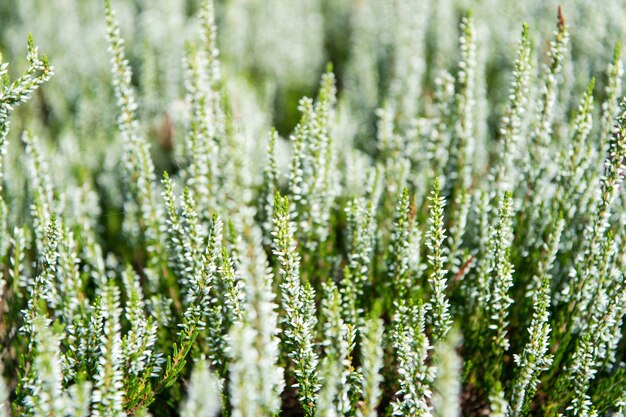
pixel 420 239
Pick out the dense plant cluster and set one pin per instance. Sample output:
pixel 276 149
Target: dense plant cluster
pixel 438 231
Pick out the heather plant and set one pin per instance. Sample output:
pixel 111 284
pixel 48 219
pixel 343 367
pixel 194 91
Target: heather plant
pixel 213 222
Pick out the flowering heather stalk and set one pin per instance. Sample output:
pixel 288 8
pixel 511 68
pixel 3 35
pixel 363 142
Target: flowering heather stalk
pixel 371 365
pixel 92 253
pixel 312 163
pixel 209 44
pixel 411 346
pixel 193 237
pixel 438 145
pixel 174 233
pixel 408 66
pixel 16 272
pixel 494 281
pixel 202 397
pixel 198 152
pixel 416 266
pixel 537 166
pixel 501 271
pixel 74 304
pixel 582 372
pixel 43 204
pixel 613 91
pixel 441 320
pixel 226 308
pixel 579 288
pixel 465 102
pixel 267 195
pixel 202 312
pixel 591 349
pixel 256 379
pixel 326 405
pixel 361 240
pixel 397 259
pixel 42 286
pixel 361 231
pixel 108 395
pixel 139 176
pixel 341 382
pixel 535 359
pixel 613 315
pixel 459 257
pixel 12 94
pixel 46 388
pixel 84 340
pixel 78 400
pixel 68 277
pixel 231 287
pixel 362 78
pixel 207 124
pixel 350 310
pixel 298 305
pixel 511 124
pixel 298 187
pixel 322 155
pixel 199 315
pixel 390 143
pixel 575 165
pixel 19 91
pixel 447 385
pixel 542 129
pixel 138 343
pixel 498 406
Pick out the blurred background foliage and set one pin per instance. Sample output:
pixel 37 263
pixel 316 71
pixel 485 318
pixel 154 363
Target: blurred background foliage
pixel 272 53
